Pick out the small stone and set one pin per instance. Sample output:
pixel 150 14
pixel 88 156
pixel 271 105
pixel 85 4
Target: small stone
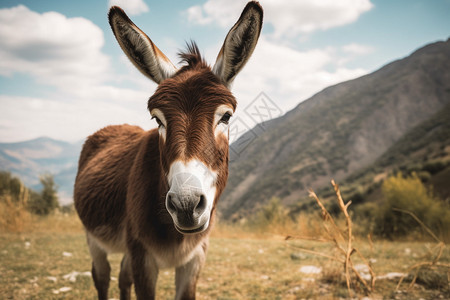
pixel 310 270
pixel 65 289
pixel 298 256
pixel 391 275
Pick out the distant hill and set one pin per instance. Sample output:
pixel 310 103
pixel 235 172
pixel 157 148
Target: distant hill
pixel 32 158
pixel 343 131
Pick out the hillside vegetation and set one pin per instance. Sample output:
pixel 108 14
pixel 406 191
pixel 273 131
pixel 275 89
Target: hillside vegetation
pixel 19 203
pixel 42 155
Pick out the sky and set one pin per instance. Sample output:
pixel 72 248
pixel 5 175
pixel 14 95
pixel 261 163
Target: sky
pixel 63 75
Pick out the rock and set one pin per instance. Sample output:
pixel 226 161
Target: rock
pixel 391 275
pixel 298 256
pixel 310 270
pixel 72 276
pixel 62 290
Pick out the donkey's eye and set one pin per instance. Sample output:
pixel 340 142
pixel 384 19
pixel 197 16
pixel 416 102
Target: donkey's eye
pixel 160 124
pixel 225 118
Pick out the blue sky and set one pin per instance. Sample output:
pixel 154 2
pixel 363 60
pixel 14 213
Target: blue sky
pixel 63 75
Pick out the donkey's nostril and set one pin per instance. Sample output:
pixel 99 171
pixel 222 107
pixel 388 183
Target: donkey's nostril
pixel 201 205
pixel 170 205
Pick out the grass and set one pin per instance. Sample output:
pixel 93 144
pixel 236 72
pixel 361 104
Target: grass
pixel 240 265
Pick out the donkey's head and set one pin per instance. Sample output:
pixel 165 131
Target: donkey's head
pixel 192 107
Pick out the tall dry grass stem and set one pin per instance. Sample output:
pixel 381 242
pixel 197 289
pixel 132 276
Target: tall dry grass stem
pixel 342 241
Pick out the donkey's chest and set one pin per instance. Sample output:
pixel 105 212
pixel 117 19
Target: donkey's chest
pixel 177 255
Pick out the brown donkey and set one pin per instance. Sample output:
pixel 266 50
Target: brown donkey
pixel 152 195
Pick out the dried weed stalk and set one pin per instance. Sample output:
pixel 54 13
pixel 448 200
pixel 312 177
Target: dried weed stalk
pixel 342 240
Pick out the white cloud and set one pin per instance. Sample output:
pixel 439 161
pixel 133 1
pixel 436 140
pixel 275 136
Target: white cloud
pixel 288 18
pixel 64 53
pixel 222 12
pixel 55 50
pixel 131 7
pixel 23 118
pixel 357 49
pixel 289 76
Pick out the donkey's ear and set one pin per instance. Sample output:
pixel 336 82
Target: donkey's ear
pixel 239 43
pixel 139 47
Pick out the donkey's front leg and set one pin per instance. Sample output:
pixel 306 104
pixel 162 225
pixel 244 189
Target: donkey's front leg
pixel 145 271
pixel 186 276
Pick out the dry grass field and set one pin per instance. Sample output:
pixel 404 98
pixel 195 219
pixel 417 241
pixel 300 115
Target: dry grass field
pixel 50 260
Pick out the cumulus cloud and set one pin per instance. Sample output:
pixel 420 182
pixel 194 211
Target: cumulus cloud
pixel 24 118
pixel 64 53
pixel 132 7
pixel 55 50
pixel 288 18
pixel 289 76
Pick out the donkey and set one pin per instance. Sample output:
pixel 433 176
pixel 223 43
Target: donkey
pixel 152 194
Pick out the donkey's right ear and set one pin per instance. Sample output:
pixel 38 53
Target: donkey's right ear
pixel 239 44
pixel 139 47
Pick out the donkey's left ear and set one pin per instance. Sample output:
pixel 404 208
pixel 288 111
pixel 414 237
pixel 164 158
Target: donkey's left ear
pixel 139 48
pixel 239 43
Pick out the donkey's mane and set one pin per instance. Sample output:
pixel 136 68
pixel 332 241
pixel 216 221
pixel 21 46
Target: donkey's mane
pixel 191 57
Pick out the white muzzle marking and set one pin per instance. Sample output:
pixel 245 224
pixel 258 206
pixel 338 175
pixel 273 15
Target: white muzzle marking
pixel 191 195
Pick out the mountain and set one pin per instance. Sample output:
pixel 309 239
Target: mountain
pixel 32 158
pixel 424 149
pixel 339 132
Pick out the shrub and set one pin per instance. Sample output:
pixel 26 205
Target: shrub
pixel 409 193
pixel 273 214
pixel 11 186
pixel 46 201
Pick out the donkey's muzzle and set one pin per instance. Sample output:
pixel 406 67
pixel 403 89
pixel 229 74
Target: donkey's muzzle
pixel 187 204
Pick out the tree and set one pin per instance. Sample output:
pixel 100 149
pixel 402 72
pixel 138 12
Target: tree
pixel 46 201
pixel 12 186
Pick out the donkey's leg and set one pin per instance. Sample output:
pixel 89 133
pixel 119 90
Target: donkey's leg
pixel 186 276
pixel 125 278
pixel 100 268
pixel 144 269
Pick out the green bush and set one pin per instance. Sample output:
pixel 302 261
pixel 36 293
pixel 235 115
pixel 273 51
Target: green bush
pixel 410 194
pixel 11 186
pixel 272 214
pixel 46 201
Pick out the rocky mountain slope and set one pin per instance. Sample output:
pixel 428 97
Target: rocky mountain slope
pixel 339 131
